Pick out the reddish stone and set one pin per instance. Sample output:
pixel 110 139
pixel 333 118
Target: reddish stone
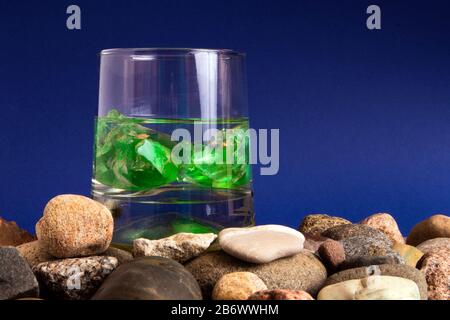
pixel 12 235
pixel 332 253
pixel 279 294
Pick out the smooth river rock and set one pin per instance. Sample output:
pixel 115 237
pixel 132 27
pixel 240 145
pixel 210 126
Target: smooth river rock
pixel 395 270
pixel 180 247
pixel 316 224
pixel 149 278
pixel 372 288
pixel 75 226
pixel 437 226
pixel 303 271
pixel 386 224
pixel 261 244
pixel 237 286
pixel 411 255
pixel 16 278
pixel 75 278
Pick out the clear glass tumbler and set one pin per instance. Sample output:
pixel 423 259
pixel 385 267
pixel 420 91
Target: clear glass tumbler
pixel 172 142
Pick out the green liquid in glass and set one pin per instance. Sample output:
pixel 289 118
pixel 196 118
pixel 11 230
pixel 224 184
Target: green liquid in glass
pixel 134 154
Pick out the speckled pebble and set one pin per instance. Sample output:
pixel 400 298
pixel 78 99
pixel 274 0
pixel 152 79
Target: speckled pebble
pixel 316 224
pixel 280 294
pixel 75 226
pixel 436 267
pixel 386 224
pixel 74 279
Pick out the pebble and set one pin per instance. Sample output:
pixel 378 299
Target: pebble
pixel 149 278
pixel 372 288
pixel 12 235
pixel 316 224
pixel 16 278
pixel 395 270
pixel 261 244
pixel 436 267
pixel 35 253
pixel 303 271
pixel 356 230
pixel 122 256
pixel 434 244
pixel 237 286
pixel 386 224
pixel 437 226
pixel 75 278
pixel 180 247
pixel 366 261
pixel 411 255
pixel 280 294
pixel 361 248
pixel 332 254
pixel 313 243
pixel 75 226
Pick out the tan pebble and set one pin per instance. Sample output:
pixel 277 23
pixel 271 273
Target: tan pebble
pixel 75 226
pixel 386 224
pixel 410 254
pixel 237 286
pixel 437 226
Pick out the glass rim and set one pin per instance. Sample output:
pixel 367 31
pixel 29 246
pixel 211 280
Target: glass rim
pixel 168 52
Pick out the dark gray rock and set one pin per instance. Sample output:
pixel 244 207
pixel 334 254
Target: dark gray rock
pixel 302 271
pixel 150 278
pixel 368 261
pixel 75 278
pixel 16 278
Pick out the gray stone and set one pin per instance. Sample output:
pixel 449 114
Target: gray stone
pixel 261 244
pixel 74 279
pixel 149 278
pixel 16 278
pixel 302 271
pixel 355 230
pixel 357 248
pixel 395 270
pixel 180 247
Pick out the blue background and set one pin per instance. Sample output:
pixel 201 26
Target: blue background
pixel 364 115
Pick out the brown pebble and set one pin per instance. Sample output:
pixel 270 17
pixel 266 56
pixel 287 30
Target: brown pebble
pixel 332 254
pixel 279 294
pixel 436 226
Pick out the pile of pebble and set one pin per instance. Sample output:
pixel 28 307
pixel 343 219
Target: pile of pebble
pixel 327 258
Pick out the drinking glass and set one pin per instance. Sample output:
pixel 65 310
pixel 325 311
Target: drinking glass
pixel 172 143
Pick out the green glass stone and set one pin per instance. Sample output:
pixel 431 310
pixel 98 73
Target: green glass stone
pixel 132 156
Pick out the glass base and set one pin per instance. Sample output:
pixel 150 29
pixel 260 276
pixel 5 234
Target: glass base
pixel 168 210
